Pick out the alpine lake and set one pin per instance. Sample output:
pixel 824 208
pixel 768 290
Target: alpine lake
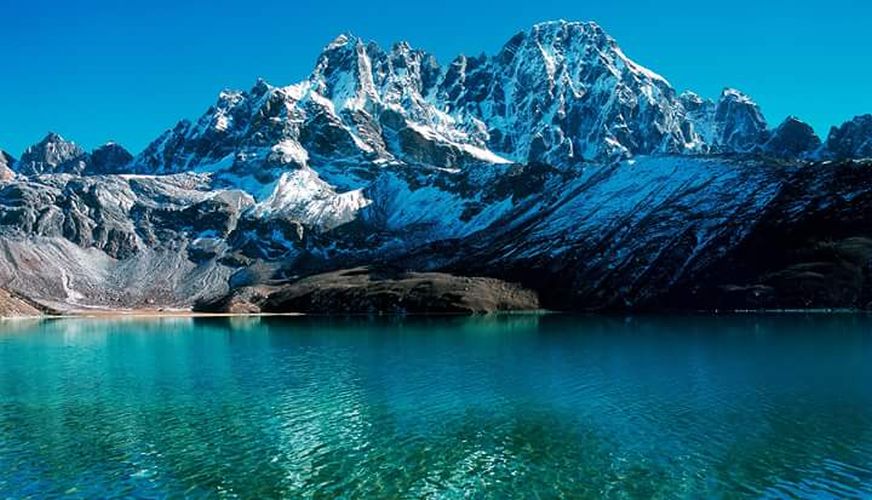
pixel 499 406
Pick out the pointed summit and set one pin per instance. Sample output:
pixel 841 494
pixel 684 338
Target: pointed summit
pixel 52 137
pixel 741 125
pixel 563 92
pixel 340 41
pixel 734 124
pixel 560 92
pixel 110 158
pixel 260 87
pixel 53 154
pixel 792 139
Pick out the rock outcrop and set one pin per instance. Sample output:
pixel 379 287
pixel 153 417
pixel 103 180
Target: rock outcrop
pixel 14 306
pixel 52 155
pixel 110 158
pixel 558 163
pixel 853 139
pixel 367 291
pixel 6 163
pixel 792 139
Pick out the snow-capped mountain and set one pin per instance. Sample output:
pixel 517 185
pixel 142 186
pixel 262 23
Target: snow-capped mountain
pixel 361 107
pixel 561 93
pixel 556 160
pixel 734 124
pixel 565 92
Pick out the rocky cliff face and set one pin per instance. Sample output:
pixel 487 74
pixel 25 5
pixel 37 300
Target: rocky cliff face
pixel 792 139
pixel 699 233
pixel 12 306
pixel 109 158
pixel 52 155
pixel 6 163
pixel 558 163
pixel 561 93
pixel 565 92
pixel 55 155
pixel 853 139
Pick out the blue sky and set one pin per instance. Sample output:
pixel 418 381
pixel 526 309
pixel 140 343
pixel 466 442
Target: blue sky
pixel 99 70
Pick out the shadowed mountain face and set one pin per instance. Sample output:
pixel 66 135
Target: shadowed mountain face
pixel 792 139
pixel 558 163
pixel 851 140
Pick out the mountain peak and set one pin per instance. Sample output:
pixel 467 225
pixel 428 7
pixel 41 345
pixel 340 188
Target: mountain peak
pixel 561 24
pixel 570 33
pixel 852 139
pixel 110 158
pixel 736 95
pixel 342 40
pixel 51 137
pixel 792 139
pixel 692 98
pixel 564 91
pixel 560 92
pixel 740 125
pixel 401 47
pixel 52 154
pixel 260 87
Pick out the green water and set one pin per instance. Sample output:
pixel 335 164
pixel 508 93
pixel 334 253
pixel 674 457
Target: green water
pixel 494 407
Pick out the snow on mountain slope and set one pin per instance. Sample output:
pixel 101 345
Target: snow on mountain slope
pixel 734 124
pixel 616 236
pixel 563 92
pixel 560 93
pixel 303 196
pixel 557 161
pixel 429 209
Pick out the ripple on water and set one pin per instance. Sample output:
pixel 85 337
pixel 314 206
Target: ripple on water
pixel 528 406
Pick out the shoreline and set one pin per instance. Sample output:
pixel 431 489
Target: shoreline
pixel 187 313
pixel 139 314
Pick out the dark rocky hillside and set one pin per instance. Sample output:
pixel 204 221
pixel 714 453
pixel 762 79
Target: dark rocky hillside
pixel 557 172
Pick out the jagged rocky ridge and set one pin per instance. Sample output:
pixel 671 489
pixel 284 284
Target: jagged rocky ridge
pixel 55 155
pixel 558 163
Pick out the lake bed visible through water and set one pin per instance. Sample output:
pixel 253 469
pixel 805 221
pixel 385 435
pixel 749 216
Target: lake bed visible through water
pixel 492 406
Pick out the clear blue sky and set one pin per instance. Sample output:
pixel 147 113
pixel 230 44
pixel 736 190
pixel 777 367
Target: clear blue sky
pixel 99 70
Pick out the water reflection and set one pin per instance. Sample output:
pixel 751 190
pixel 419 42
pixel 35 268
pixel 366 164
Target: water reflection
pixel 494 406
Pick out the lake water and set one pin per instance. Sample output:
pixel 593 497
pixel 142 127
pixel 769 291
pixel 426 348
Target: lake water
pixel 488 407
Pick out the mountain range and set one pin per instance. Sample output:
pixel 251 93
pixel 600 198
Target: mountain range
pixel 557 163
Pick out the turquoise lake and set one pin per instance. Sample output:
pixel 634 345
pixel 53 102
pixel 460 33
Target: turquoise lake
pixel 486 407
